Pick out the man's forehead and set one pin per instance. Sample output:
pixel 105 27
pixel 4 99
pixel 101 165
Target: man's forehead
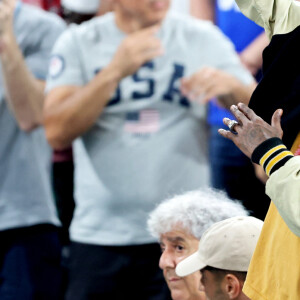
pixel 174 236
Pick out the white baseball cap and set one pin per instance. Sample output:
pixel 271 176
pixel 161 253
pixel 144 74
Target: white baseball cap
pixel 226 245
pixel 82 6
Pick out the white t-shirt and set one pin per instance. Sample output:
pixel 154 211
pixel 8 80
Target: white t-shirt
pixel 181 6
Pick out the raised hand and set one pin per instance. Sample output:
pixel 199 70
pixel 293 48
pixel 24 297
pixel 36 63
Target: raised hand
pixel 137 49
pixel 209 82
pixel 251 129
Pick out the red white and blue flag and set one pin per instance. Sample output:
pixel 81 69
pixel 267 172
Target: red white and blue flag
pixel 142 122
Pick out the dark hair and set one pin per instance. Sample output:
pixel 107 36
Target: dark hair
pixel 74 17
pixel 220 273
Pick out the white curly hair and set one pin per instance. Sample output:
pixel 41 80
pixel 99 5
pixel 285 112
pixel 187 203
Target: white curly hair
pixel 193 212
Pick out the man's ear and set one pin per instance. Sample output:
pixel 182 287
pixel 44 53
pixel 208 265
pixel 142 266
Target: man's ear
pixel 232 286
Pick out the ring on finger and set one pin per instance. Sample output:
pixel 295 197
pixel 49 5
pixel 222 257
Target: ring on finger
pixel 231 124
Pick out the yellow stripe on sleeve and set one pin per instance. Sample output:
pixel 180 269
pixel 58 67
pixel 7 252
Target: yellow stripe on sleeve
pixel 270 152
pixel 276 159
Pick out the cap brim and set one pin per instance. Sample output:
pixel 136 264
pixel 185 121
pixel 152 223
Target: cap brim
pixel 190 265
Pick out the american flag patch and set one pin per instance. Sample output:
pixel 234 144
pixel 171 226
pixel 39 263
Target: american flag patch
pixel 142 122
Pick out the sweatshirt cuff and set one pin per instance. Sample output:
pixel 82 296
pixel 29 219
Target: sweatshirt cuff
pixel 271 155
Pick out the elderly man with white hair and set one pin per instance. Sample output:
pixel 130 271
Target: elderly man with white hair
pixel 178 223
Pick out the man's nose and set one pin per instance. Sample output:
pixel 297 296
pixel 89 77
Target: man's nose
pixel 167 260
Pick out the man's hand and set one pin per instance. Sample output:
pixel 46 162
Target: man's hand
pixel 251 130
pixel 210 82
pixel 136 49
pixel 7 8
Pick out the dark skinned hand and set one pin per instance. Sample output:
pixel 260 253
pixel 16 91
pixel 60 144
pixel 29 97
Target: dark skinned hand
pixel 251 129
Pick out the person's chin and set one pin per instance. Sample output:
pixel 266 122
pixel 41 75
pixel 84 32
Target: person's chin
pixel 155 20
pixel 155 17
pixel 177 294
pixel 177 289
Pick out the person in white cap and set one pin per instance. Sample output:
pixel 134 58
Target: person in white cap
pixel 178 223
pixel 223 257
